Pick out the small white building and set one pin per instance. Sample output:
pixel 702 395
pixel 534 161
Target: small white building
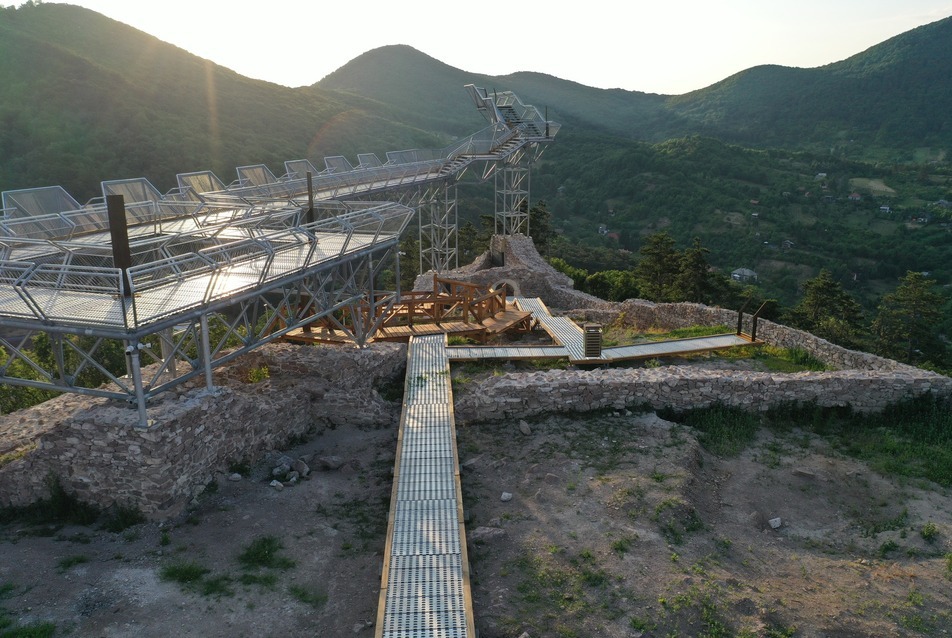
pixel 745 275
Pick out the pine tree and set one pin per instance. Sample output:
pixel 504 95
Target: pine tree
pixel 906 326
pixel 658 269
pixel 828 311
pixel 693 280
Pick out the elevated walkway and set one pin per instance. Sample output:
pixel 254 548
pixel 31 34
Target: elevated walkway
pixel 425 590
pixel 570 343
pixel 567 334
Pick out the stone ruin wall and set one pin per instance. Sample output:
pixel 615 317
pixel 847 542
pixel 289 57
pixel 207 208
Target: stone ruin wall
pixel 865 381
pixel 518 396
pixel 93 447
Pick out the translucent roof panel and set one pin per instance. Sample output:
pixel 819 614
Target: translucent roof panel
pixel 40 201
pixel 138 189
pixel 200 182
pixel 257 175
pixel 338 164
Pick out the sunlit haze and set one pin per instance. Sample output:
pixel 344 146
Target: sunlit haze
pixel 666 47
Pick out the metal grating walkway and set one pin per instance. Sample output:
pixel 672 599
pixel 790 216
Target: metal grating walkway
pixel 507 353
pixel 674 347
pixel 425 590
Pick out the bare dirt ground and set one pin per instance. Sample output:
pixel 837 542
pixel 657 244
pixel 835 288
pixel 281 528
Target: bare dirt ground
pixel 620 525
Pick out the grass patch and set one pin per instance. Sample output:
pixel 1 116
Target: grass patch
pixel 217 587
pixel 10 457
pixel 571 593
pixel 258 374
pixel 603 444
pixel 698 607
pixel 187 574
pixel 316 598
pixel 775 359
pixel 267 580
pixel 71 561
pixel 8 628
pixel 723 430
pixel 191 576
pixel 889 525
pixel 622 545
pixel 121 518
pixel 366 518
pixel 912 438
pixel 929 532
pixel 676 519
pixel 60 508
pixel 265 551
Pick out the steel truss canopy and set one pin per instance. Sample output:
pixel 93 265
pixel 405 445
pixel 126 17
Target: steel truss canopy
pixel 251 259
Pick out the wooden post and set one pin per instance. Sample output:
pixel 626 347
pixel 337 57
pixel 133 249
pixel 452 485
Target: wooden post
pixel 119 233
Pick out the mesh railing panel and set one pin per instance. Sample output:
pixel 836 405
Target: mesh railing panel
pixel 200 182
pixel 75 278
pixel 40 201
pixel 368 160
pixel 257 175
pixel 300 168
pixel 132 190
pixel 37 227
pixel 338 164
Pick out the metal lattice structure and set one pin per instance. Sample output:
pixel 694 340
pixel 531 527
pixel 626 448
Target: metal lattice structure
pixel 192 278
pixel 438 224
pixel 512 200
pixel 201 288
pixel 513 174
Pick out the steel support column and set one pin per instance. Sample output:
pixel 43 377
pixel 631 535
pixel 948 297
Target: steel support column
pixel 438 224
pixel 512 199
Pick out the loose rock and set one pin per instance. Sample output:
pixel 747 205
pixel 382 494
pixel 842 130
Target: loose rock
pixel 301 468
pixel 484 534
pixel 506 497
pixel 277 485
pixel 329 462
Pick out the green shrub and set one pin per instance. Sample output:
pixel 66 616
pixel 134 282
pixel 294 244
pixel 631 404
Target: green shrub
pixel 65 563
pixel 122 517
pixel 259 374
pixel 929 531
pixel 265 551
pixel 315 598
pixel 187 573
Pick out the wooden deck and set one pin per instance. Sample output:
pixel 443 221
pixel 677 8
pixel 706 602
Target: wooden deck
pixel 452 308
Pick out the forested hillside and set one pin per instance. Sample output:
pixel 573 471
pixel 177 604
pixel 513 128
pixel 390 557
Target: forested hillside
pixel 885 103
pixel 896 95
pixel 86 98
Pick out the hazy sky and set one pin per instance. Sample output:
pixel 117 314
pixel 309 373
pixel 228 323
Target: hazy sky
pixel 672 46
